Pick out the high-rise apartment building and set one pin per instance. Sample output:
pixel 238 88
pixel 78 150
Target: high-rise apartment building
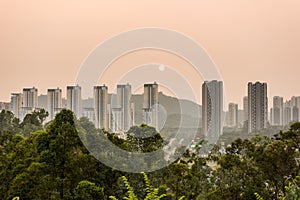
pixel 30 101
pixel 101 107
pixel 54 102
pixel 74 101
pixel 212 108
pixel 90 114
pixel 295 107
pixel 232 115
pixel 122 115
pixel 295 113
pixel 295 101
pixel 245 108
pixel 257 106
pixel 5 106
pixel 30 98
pixel 42 101
pixel 277 111
pixel 291 110
pixel 287 113
pixel 150 105
pixel 16 104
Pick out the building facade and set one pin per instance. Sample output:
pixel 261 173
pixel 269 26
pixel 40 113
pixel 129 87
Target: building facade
pixel 102 111
pixel 212 108
pixel 74 101
pixel 233 115
pixel 54 102
pixel 277 111
pixel 30 97
pixel 257 106
pixel 295 106
pixel 287 113
pixel 245 108
pixel 16 104
pixel 90 114
pixel 5 106
pixel 295 114
pixel 121 108
pixel 30 101
pixel 150 105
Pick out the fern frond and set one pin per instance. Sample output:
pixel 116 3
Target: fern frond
pixel 258 197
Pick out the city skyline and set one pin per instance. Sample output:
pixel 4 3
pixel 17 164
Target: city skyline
pixel 118 113
pixel 140 91
pixel 257 41
pixel 171 99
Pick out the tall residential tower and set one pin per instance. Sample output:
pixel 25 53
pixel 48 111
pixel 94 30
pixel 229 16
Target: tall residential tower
pixel 257 106
pixel 277 111
pixel 54 102
pixel 245 109
pixel 101 107
pixel 150 105
pixel 212 108
pixel 74 100
pixel 122 111
pixel 16 104
pixel 30 97
pixel 232 115
pixel 30 101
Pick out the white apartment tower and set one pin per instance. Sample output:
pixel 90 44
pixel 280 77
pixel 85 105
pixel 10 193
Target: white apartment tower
pixel 257 106
pixel 295 101
pixel 291 110
pixel 122 111
pixel 74 100
pixel 54 102
pixel 295 106
pixel 16 104
pixel 150 105
pixel 287 113
pixel 30 98
pixel 30 101
pixel 212 108
pixel 232 115
pixel 89 113
pixel 5 106
pixel 277 111
pixel 245 108
pixel 101 107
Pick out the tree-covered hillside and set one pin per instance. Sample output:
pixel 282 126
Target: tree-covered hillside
pixel 49 161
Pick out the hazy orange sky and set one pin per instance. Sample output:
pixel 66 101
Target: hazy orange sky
pixel 43 43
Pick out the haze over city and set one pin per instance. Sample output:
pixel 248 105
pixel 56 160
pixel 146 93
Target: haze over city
pixel 248 41
pixel 131 99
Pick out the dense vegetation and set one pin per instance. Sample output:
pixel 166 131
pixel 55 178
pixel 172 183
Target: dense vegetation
pixel 50 162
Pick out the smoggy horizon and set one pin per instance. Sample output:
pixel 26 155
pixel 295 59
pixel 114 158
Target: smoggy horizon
pixel 140 91
pixel 43 44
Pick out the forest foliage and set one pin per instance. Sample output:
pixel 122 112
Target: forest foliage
pixel 50 161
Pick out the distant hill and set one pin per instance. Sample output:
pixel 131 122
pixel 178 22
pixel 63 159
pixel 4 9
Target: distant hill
pixel 174 110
